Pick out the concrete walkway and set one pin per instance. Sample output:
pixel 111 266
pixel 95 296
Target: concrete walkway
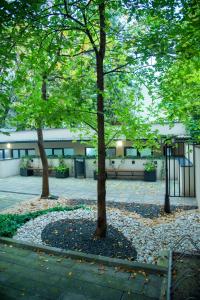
pixel 16 189
pixel 29 275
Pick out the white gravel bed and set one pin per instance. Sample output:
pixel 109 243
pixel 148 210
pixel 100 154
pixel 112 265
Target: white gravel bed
pixel 148 241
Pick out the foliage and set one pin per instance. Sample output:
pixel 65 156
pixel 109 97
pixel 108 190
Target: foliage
pixel 9 223
pixel 149 166
pixel 62 166
pixel 25 162
pixel 171 39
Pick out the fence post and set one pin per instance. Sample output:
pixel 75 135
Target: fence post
pixel 167 200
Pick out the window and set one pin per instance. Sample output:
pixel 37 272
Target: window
pixel 145 152
pixel 130 151
pixel 68 151
pixel 58 152
pixel 49 152
pixel 31 152
pixel 110 152
pixel 90 152
pixel 7 154
pixel 22 152
pixel 15 153
pixel 18 153
pixel 170 151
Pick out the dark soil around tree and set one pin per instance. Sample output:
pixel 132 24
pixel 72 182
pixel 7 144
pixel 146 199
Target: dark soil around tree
pixel 145 210
pixel 78 235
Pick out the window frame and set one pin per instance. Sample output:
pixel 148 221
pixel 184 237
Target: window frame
pixel 125 154
pixel 86 152
pixel 112 148
pixel 65 155
pixel 26 152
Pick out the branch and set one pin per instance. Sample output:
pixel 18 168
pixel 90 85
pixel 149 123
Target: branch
pixel 87 31
pixel 88 3
pixel 82 52
pixel 116 69
pixel 91 126
pixel 110 140
pixel 70 16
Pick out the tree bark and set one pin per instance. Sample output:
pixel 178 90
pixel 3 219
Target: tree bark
pixel 101 184
pixel 45 173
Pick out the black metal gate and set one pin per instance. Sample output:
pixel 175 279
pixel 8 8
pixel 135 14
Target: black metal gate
pixel 179 170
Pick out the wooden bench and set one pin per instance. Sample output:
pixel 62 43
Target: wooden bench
pixel 38 171
pixel 124 174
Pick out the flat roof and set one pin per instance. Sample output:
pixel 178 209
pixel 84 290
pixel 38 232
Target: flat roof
pixel 63 134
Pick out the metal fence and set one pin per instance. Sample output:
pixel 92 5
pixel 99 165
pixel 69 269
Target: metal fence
pixel 180 169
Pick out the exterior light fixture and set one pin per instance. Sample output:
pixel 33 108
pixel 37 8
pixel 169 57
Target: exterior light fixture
pixel 8 145
pixel 119 143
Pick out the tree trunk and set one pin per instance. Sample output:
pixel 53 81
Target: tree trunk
pixel 45 173
pixel 101 185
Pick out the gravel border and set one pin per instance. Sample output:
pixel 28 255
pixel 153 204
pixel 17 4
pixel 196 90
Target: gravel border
pixel 147 240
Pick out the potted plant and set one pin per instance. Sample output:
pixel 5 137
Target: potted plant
pixel 25 167
pixel 62 170
pixel 149 171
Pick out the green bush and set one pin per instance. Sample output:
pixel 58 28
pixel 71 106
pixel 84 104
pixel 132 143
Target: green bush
pixel 62 167
pixel 9 223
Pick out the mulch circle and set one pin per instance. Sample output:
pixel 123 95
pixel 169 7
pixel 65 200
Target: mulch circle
pixel 78 235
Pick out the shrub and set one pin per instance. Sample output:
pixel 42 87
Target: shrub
pixel 149 166
pixel 9 223
pixel 62 167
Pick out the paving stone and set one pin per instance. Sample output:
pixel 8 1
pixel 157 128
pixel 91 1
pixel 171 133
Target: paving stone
pixel 121 282
pixel 134 296
pixel 88 290
pixel 24 278
pixel 127 191
pixel 9 293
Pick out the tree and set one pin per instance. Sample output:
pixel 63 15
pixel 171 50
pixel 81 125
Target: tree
pixel 104 34
pixel 32 102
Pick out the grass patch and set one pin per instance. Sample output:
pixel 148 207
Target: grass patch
pixel 9 223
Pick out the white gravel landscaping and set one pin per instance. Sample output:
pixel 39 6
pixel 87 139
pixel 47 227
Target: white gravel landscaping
pixel 147 240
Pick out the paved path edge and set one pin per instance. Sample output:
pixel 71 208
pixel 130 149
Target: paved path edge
pixel 149 268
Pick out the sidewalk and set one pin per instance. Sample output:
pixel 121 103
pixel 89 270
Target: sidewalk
pixel 29 275
pixel 16 189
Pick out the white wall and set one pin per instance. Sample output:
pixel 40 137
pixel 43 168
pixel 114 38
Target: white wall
pixel 187 181
pixel 9 167
pixel 174 165
pixel 91 165
pixel 53 162
pixel 123 164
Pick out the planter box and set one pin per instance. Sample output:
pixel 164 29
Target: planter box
pixel 150 176
pixel 26 172
pixel 62 174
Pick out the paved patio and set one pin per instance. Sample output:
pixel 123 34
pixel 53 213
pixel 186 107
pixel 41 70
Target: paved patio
pixel 17 189
pixel 29 275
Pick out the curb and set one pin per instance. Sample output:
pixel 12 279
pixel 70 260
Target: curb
pixel 113 262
